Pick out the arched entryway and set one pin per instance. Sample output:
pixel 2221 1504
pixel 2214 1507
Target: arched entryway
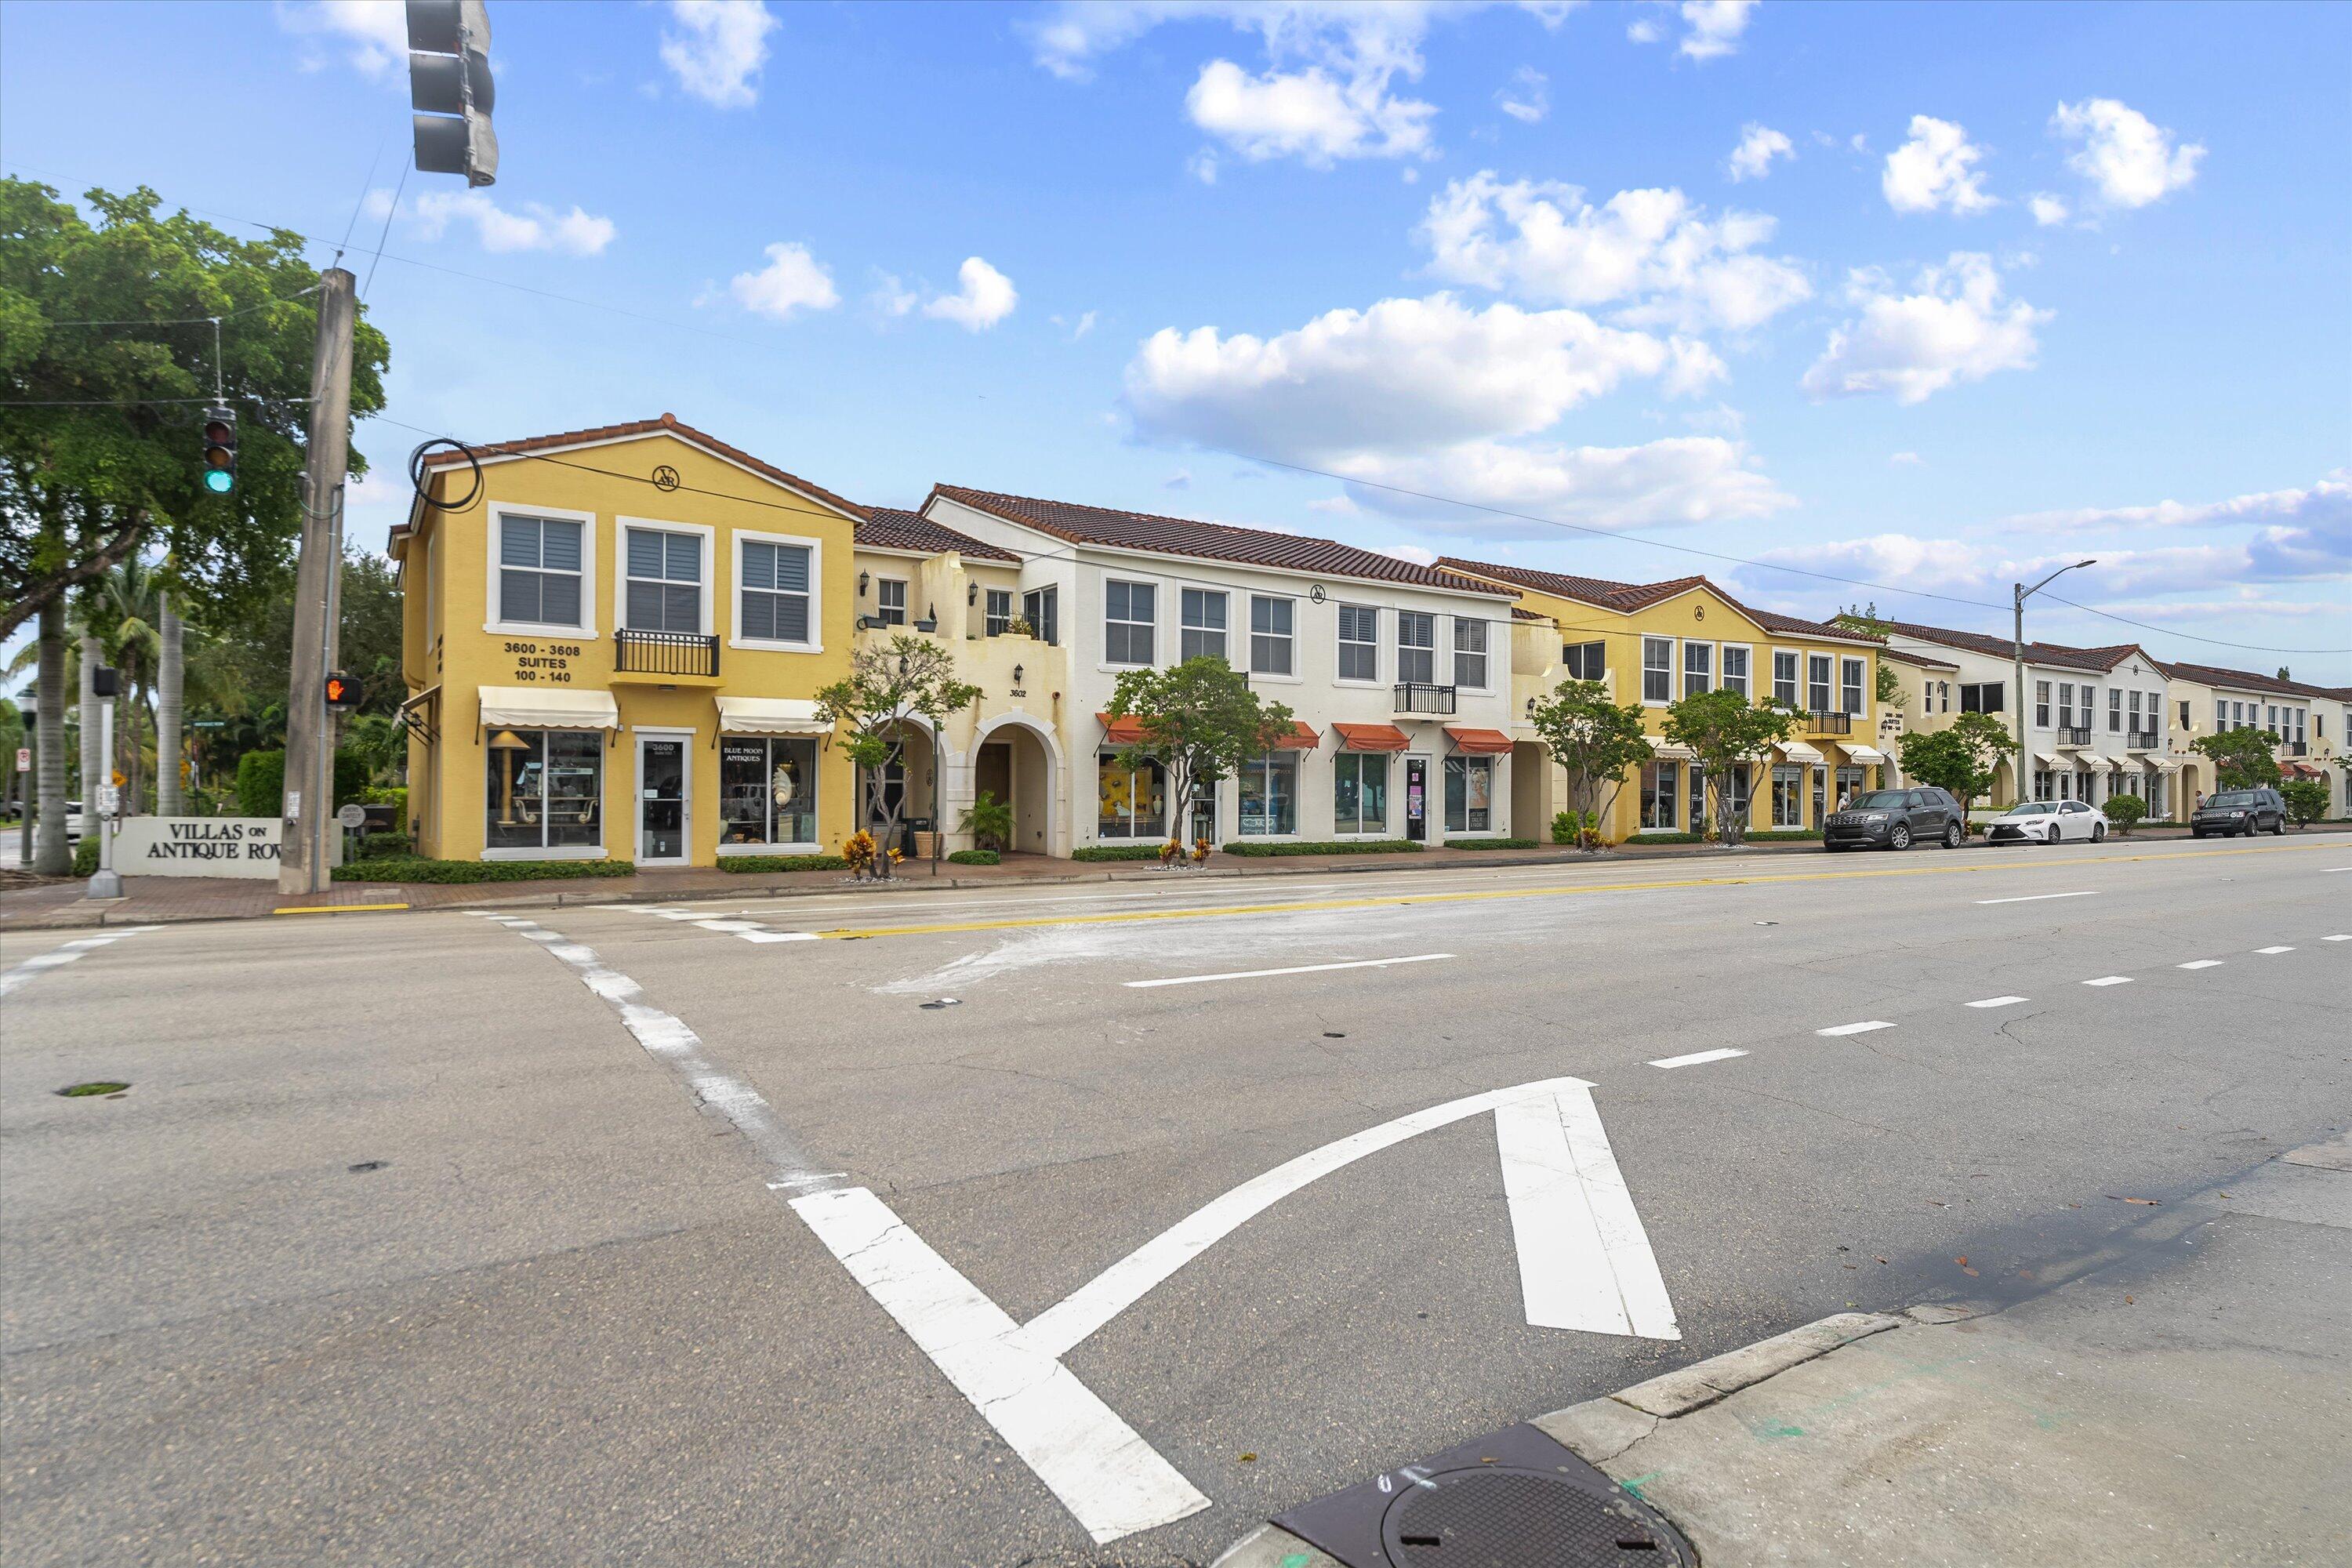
pixel 910 782
pixel 2193 785
pixel 1015 758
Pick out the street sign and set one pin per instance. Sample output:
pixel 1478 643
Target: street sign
pixel 352 815
pixel 110 799
pixel 24 759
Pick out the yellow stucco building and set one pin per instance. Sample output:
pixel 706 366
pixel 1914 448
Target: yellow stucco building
pixel 1651 643
pixel 612 645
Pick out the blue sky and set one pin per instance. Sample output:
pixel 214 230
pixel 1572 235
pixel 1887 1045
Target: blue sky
pixel 1917 294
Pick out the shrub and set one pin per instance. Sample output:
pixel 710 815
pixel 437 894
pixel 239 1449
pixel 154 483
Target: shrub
pixel 386 845
pixel 974 857
pixel 2125 811
pixel 85 862
pixel 415 869
pixel 261 781
pixel 783 863
pixel 393 795
pixel 1117 852
pixel 1490 843
pixel 2305 800
pixel 1259 850
pixel 989 821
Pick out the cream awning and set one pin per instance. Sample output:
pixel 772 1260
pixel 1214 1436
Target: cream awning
pixel 2049 760
pixel 1798 751
pixel 1668 752
pixel 771 716
pixel 1869 756
pixel 548 708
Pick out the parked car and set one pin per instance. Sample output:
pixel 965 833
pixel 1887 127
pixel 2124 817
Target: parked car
pixel 2247 811
pixel 1897 819
pixel 2047 822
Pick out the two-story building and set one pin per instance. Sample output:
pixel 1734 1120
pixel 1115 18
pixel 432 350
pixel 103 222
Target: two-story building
pixel 1653 643
pixel 2209 700
pixel 613 644
pixel 1398 676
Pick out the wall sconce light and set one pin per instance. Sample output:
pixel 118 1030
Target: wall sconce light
pixel 971 593
pixel 863 578
pixel 1531 706
pixel 1016 674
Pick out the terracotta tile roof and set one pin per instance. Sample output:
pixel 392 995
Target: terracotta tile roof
pixel 1207 541
pixel 1587 590
pixel 1627 598
pixel 2248 680
pixel 1925 661
pixel 668 423
pixel 886 527
pixel 2058 654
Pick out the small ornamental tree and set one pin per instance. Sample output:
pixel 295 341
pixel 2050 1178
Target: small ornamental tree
pixel 888 684
pixel 2306 801
pixel 2126 812
pixel 1724 729
pixel 1199 720
pixel 1959 759
pixel 1596 743
pixel 2242 758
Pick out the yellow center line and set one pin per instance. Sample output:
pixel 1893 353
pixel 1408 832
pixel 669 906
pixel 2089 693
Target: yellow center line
pixel 1389 901
pixel 335 909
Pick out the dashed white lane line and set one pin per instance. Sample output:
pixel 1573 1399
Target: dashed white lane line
pixel 1695 1058
pixel 2344 937
pixel 2110 980
pixel 2269 950
pixel 1861 1028
pixel 2000 1001
pixel 1295 969
pixel 2200 963
pixel 779 936
pixel 2037 897
pixel 58 957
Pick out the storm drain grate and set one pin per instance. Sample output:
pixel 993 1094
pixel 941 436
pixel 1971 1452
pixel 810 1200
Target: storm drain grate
pixel 1492 1518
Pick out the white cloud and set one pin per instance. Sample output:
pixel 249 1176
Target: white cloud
pixel 1905 459
pixel 1759 146
pixel 1652 252
pixel 1936 170
pixel 889 295
pixel 373 33
pixel 1714 27
pixel 534 227
pixel 1681 480
pixel 2129 159
pixel 1181 480
pixel 1644 31
pixel 793 280
pixel 984 298
pixel 718 49
pixel 2326 506
pixel 1954 327
pixel 1309 115
pixel 1082 326
pixel 1692 368
pixel 1337 506
pixel 2047 210
pixel 1419 554
pixel 1528 98
pixel 1203 166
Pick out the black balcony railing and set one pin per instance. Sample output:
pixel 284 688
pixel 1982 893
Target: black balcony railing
pixel 1830 723
pixel 2143 740
pixel 664 653
pixel 2295 748
pixel 2074 736
pixel 1420 697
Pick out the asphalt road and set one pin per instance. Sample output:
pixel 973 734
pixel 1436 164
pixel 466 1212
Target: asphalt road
pixel 407 1245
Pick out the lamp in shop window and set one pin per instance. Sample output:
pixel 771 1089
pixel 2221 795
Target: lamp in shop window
pixel 507 741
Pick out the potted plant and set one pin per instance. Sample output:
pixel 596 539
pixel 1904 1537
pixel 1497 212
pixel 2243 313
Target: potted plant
pixel 989 821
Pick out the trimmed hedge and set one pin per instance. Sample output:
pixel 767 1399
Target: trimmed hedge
pixel 416 869
pixel 85 862
pixel 782 863
pixel 1258 850
pixel 261 781
pixel 1118 852
pixel 1489 844
pixel 973 857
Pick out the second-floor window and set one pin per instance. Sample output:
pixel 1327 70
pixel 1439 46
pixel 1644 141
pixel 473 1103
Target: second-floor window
pixel 1271 639
pixel 891 600
pixel 1817 682
pixel 2041 705
pixel 1470 653
pixel 1201 633
pixel 664 591
pixel 1735 669
pixel 2115 709
pixel 1042 608
pixel 1980 698
pixel 1585 660
pixel 1699 666
pixel 1360 642
pixel 1416 646
pixel 1850 681
pixel 2154 711
pixel 1784 678
pixel 774 591
pixel 538 571
pixel 1657 670
pixel 1000 612
pixel 1129 611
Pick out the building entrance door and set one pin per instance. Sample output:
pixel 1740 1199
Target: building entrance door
pixel 1416 799
pixel 662 800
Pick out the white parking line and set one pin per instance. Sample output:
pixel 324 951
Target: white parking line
pixel 1695 1058
pixel 2274 949
pixel 2037 897
pixel 1296 969
pixel 733 927
pixel 779 936
pixel 2000 1001
pixel 1861 1028
pixel 2345 937
pixel 2200 963
pixel 57 958
pixel 2110 980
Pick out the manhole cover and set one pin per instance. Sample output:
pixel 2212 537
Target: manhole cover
pixel 1494 1518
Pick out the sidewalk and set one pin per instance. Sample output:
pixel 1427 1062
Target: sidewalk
pixel 2179 1399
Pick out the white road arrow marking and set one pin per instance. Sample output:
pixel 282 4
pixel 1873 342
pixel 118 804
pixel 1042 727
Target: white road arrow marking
pixel 1584 1260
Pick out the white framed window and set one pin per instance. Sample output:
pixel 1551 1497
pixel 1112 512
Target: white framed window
pixel 890 601
pixel 1817 683
pixel 1657 670
pixel 2220 715
pixel 1273 639
pixel 1269 792
pixel 1200 623
pixel 540 580
pixel 1132 801
pixel 1699 666
pixel 2065 705
pixel 1470 653
pixel 1659 795
pixel 1735 669
pixel 1585 660
pixel 545 798
pixel 662 568
pixel 1130 611
pixel 999 611
pixel 1784 677
pixel 1788 795
pixel 1360 643
pixel 777 590
pixel 2115 709
pixel 1469 794
pixel 1416 646
pixel 1359 793
pixel 767 793
pixel 1851 674
pixel 2041 705
pixel 1042 608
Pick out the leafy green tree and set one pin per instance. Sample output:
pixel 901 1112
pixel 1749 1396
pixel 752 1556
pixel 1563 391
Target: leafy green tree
pixel 2242 758
pixel 1723 729
pixel 1597 743
pixel 12 735
pixel 1864 618
pixel 888 686
pixel 2306 801
pixel 1200 721
pixel 1961 758
pixel 2125 811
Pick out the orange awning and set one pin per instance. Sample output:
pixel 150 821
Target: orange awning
pixel 1371 738
pixel 1479 742
pixel 1126 732
pixel 1302 738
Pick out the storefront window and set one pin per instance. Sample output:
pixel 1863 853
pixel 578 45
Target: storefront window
pixel 1133 800
pixel 1821 788
pixel 1788 795
pixel 767 790
pixel 1469 794
pixel 546 791
pixel 1698 797
pixel 1269 788
pixel 1360 792
pixel 1849 783
pixel 1658 794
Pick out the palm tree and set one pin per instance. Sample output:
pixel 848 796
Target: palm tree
pixel 124 608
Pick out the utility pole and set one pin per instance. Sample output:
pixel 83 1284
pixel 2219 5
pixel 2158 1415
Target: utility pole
pixel 2018 593
pixel 310 746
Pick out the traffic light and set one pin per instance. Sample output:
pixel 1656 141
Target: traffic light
pixel 450 88
pixel 220 451
pixel 342 693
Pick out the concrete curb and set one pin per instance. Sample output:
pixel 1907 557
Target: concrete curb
pixel 1601 1429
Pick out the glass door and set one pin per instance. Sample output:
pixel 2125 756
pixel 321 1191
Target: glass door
pixel 1416 799
pixel 661 800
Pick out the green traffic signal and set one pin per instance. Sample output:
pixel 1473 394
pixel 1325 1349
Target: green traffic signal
pixel 220 482
pixel 220 451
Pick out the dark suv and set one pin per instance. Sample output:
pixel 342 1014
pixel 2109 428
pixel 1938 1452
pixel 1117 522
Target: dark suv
pixel 1897 819
pixel 2247 811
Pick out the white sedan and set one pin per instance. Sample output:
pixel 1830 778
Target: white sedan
pixel 2047 822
